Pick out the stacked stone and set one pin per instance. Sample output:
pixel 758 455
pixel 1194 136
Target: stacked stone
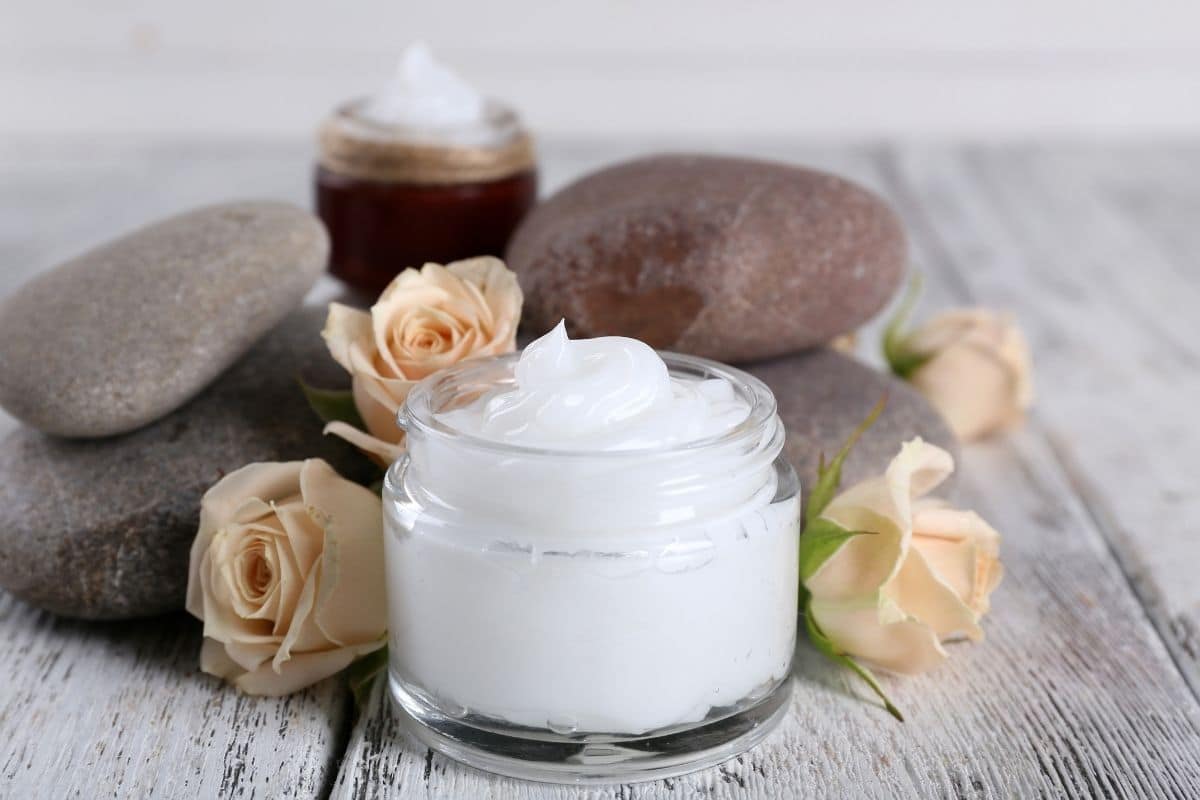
pixel 148 368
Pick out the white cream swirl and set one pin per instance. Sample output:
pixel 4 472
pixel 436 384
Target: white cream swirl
pixel 607 393
pixel 425 95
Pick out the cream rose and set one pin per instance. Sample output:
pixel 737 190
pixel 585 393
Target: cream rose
pixel 287 574
pixel 920 573
pixel 974 367
pixel 424 321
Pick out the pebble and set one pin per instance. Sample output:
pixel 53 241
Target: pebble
pixel 727 258
pixel 131 330
pixel 101 528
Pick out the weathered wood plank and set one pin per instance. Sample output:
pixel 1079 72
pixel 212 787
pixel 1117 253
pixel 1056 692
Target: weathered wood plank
pixel 1072 694
pixel 1095 249
pixel 121 710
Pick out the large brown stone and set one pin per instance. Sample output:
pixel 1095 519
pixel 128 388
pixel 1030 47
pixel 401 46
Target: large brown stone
pixel 722 257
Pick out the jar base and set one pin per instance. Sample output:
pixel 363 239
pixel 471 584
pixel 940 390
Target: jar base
pixel 614 760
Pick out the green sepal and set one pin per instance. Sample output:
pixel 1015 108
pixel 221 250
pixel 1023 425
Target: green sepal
pixel 821 539
pixel 829 477
pixel 827 648
pixel 361 674
pixel 333 405
pixel 902 360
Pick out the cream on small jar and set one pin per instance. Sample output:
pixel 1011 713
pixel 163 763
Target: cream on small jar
pixel 589 546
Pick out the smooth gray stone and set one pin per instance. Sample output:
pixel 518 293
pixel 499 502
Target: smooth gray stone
pixel 823 395
pixel 101 529
pixel 131 330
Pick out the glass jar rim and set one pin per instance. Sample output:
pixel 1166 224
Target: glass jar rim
pixel 418 413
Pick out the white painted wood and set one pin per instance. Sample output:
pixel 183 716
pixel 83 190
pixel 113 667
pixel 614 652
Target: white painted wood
pixel 120 710
pixel 1072 694
pixel 1096 252
pixel 678 67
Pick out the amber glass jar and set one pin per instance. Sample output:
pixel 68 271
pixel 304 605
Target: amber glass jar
pixel 394 198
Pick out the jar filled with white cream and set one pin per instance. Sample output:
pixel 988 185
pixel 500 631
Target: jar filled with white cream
pixel 592 562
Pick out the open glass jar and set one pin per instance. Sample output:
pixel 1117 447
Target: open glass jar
pixel 590 616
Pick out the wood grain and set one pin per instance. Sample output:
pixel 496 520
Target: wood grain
pixel 121 710
pixel 1092 251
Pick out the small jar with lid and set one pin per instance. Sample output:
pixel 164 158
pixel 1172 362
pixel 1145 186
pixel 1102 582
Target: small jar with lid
pixel 426 170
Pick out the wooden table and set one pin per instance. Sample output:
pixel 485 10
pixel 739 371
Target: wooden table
pixel 1087 682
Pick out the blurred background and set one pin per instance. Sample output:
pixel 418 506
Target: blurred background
pixel 672 69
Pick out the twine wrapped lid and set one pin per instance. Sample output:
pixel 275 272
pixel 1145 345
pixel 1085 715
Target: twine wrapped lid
pixel 495 147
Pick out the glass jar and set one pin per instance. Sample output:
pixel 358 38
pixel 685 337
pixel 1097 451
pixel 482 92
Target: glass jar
pixel 590 616
pixel 394 198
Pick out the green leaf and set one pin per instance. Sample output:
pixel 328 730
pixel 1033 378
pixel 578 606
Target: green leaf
pixel 829 477
pixel 362 673
pixel 820 540
pixel 333 405
pixel 903 360
pixel 825 646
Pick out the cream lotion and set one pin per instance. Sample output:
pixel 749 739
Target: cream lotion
pixel 425 95
pixel 609 393
pixel 597 544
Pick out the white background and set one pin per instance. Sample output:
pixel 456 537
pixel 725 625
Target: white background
pixel 676 69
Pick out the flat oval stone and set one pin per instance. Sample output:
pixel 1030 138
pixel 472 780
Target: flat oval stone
pixel 125 333
pixel 102 528
pixel 722 257
pixel 824 395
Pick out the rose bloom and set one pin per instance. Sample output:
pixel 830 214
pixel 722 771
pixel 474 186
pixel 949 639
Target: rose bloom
pixel 921 574
pixel 425 320
pixel 287 574
pixel 977 373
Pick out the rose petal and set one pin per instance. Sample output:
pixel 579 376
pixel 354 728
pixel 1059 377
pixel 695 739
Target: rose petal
pixel 217 508
pixel 383 453
pixel 221 621
pixel 501 293
pixel 979 375
pixel 215 661
pixel 378 402
pixel 305 536
pixel 971 387
pixel 883 507
pixel 251 655
pixel 345 328
pixel 304 635
pixel 906 646
pixel 921 595
pixel 351 605
pixel 963 550
pixel 299 551
pixel 253 572
pixel 301 671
